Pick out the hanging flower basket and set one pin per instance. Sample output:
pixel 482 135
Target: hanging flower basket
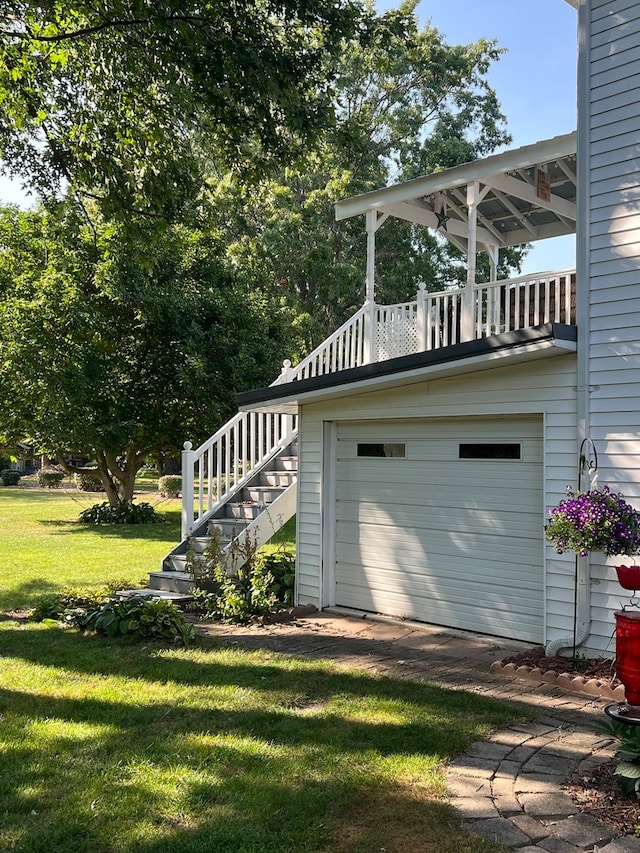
pixel 596 520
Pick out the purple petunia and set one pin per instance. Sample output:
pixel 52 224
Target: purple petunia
pixel 596 520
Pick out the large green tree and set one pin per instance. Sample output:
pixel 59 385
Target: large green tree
pixel 115 97
pixel 119 348
pixel 407 103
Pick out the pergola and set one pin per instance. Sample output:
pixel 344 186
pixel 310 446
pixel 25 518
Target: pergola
pixel 519 196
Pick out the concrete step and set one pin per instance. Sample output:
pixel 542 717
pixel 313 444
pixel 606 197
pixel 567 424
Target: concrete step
pixel 280 479
pixel 160 594
pixel 242 510
pixel 261 495
pixel 172 581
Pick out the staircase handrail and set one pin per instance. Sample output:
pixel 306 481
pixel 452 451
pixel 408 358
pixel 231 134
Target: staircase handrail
pixel 219 469
pixel 343 349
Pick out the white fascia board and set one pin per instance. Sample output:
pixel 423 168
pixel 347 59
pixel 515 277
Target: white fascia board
pixel 459 176
pixel 497 358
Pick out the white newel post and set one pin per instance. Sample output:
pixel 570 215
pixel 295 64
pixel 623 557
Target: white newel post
pixel 287 372
pixel 188 455
pixel 421 318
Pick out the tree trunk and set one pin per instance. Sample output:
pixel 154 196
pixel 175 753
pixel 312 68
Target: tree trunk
pixel 117 474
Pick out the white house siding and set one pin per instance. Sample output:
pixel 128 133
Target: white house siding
pixel 609 122
pixel 543 387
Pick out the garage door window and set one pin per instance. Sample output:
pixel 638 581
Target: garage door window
pixel 389 451
pixel 489 451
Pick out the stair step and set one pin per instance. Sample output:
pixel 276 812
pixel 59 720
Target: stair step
pixel 242 510
pixel 229 527
pixel 287 463
pixel 172 581
pixel 280 479
pixel 261 495
pixel 164 595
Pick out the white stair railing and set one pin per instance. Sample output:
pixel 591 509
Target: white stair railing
pixel 224 462
pixel 346 347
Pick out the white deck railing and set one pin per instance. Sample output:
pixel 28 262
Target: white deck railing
pixel 375 333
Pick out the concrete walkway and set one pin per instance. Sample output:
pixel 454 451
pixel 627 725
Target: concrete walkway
pixel 506 789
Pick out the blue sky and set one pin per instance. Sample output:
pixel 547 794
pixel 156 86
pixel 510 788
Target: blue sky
pixel 535 80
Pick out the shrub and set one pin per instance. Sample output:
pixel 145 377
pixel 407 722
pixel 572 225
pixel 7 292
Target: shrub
pixel 263 584
pixel 139 617
pixel 170 485
pixel 9 477
pixel 49 478
pixel 98 610
pixel 88 481
pixel 126 512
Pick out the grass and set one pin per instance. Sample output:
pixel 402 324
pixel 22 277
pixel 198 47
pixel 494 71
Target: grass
pixel 43 547
pixel 112 746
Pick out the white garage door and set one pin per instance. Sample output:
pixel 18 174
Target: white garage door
pixel 441 521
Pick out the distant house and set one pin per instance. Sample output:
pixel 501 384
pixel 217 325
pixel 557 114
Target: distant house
pixel 430 438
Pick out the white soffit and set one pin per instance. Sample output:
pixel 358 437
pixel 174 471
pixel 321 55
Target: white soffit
pixel 526 194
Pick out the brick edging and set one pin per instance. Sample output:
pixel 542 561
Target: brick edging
pixel 564 680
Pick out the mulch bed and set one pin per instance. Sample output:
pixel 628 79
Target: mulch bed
pixel 602 669
pixel 599 794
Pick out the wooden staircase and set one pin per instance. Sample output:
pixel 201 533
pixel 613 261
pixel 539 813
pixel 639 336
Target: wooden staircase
pixel 258 509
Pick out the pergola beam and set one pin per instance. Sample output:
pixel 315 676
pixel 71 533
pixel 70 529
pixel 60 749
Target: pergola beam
pixel 524 191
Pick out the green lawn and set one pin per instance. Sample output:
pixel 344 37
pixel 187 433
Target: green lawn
pixel 43 547
pixel 117 747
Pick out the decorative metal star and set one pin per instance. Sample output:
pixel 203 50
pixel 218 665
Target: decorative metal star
pixel 442 219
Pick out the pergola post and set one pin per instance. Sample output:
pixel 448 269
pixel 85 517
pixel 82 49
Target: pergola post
pixel 468 300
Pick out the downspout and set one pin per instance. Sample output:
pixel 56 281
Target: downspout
pixel 588 468
pixel 582 613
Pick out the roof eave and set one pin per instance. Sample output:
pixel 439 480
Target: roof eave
pixel 544 341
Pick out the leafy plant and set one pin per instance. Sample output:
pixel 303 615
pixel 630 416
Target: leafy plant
pixel 627 754
pixel 49 478
pixel 262 584
pixel 10 477
pixel 138 616
pixel 595 520
pixel 126 512
pixel 170 485
pixel 59 605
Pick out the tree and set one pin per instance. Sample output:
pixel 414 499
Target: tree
pixel 112 97
pixel 407 104
pixel 119 349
